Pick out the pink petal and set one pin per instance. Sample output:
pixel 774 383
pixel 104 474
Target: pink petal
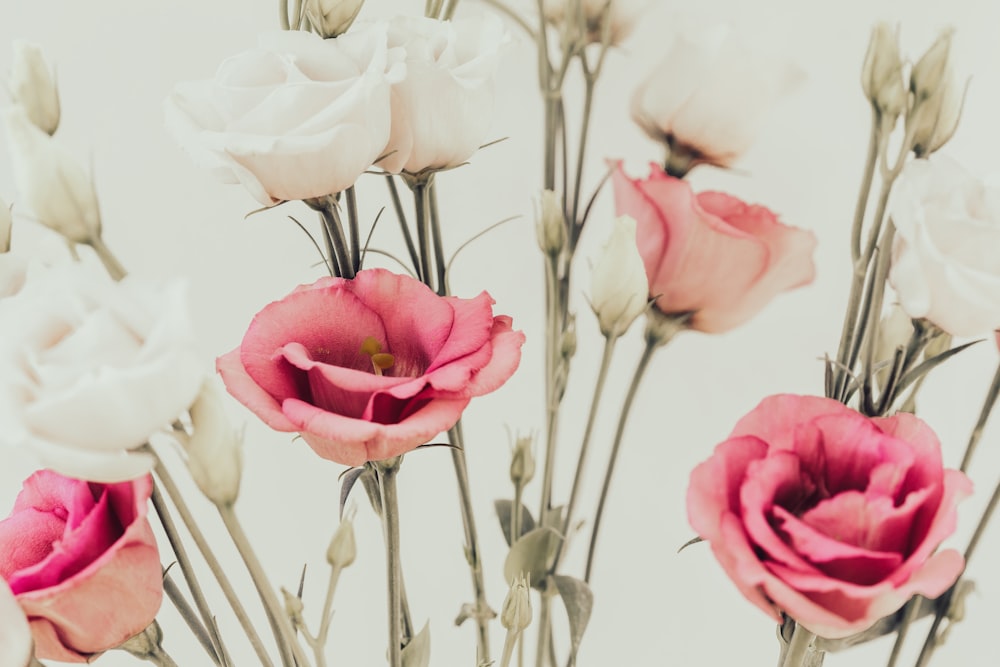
pixel 714 489
pixel 249 393
pixel 775 418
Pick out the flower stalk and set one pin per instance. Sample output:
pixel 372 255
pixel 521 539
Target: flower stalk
pixel 387 471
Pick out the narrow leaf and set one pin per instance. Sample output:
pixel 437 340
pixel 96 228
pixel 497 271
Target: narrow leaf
pixel 347 483
pixel 579 601
pixel 532 555
pixel 503 508
pixel 418 652
pixel 926 366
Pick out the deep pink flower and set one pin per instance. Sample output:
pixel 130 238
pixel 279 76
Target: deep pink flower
pixel 306 363
pixel 710 253
pixel 81 559
pixel 829 516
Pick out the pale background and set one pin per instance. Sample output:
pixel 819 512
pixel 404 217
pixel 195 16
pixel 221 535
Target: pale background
pixel 118 59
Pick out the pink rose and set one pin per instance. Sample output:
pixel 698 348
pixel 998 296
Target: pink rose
pixel 82 561
pixel 370 368
pixel 829 516
pixel 710 253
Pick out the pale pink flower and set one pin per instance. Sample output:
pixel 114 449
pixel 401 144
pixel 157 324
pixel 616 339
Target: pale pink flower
pixel 82 561
pixel 831 517
pixel 711 254
pixel 370 368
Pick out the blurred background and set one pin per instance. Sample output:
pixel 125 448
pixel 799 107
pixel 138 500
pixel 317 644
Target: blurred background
pixel 117 60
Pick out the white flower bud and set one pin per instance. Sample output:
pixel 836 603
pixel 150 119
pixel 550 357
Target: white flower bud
pixel 933 70
pixel 619 288
pixel 551 224
pixel 882 72
pixel 330 18
pixel 343 549
pixel 32 86
pixel 515 615
pixel 5 226
pixel 52 184
pixel 522 462
pixel 894 330
pixel 214 450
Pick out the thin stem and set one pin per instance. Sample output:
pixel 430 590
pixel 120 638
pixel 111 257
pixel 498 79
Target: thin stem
pixel 508 647
pixel 864 192
pixel 553 329
pixel 325 621
pixel 609 348
pixel 881 274
pixel 161 658
pixel 483 611
pixel 397 204
pixel 588 96
pixel 352 222
pixel 984 415
pixel 284 633
pixel 544 631
pixel 419 189
pixel 390 512
pixel 189 615
pixel 440 262
pixel 515 513
pixel 167 481
pixel 910 613
pixel 283 14
pixel 640 369
pixel 333 263
pixel 108 259
pixel 449 10
pixel 798 648
pixel 187 570
pixel 331 218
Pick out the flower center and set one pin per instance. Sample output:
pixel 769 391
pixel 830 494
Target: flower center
pixel 381 361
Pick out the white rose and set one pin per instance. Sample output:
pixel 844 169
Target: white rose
pixel 623 15
pixel 15 635
pixel 296 118
pixel 51 182
pixel 945 264
pixel 619 290
pixel 32 86
pixel 443 109
pixel 710 95
pixel 91 368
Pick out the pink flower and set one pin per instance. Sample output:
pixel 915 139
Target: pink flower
pixel 710 253
pixel 82 561
pixel 15 636
pixel 370 368
pixel 829 516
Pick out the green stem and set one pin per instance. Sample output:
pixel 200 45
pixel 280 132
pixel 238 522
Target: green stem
pixel 397 204
pixel 333 224
pixel 190 616
pixel 910 612
pixel 167 481
pixel 515 513
pixel 554 330
pixel 984 415
pixel 588 97
pixel 108 259
pixel 864 192
pixel 283 14
pixel 390 508
pixel 797 651
pixel 875 310
pixel 647 354
pixel 324 627
pixel 353 225
pixel 508 647
pixel 161 658
pixel 283 631
pixel 439 261
pixel 419 189
pixel 544 631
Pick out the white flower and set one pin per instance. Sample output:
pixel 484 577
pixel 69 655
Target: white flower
pixel 15 635
pixel 91 368
pixel 443 109
pixel 214 450
pixel 619 289
pixel 32 86
pixel 710 95
pixel 622 14
pixel 331 18
pixel 945 265
pixel 53 185
pixel 5 227
pixel 296 118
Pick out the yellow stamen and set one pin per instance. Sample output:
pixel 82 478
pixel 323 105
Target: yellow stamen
pixel 380 360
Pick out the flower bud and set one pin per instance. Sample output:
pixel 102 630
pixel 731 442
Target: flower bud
pixel 330 18
pixel 51 182
pixel 32 86
pixel 882 72
pixel 894 331
pixel 567 346
pixel 5 226
pixel 214 450
pixel 343 549
pixel 938 100
pixel 515 615
pixel 551 225
pixel 619 288
pixel 933 70
pixel 522 462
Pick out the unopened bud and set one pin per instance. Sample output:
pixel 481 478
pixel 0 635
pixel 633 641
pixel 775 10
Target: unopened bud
pixel 935 120
pixel 32 86
pixel 882 72
pixel 515 615
pixel 330 18
pixel 619 288
pixel 343 549
pixel 293 608
pixel 6 223
pixel 551 224
pixel 214 450
pixel 567 346
pixel 894 330
pixel 522 462
pixel 933 70
pixel 146 645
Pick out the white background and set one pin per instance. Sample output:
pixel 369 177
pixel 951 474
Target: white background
pixel 118 59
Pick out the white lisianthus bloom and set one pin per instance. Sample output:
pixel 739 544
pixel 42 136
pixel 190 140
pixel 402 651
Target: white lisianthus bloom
pixel 622 14
pixel 296 118
pixel 215 448
pixel 710 95
pixel 443 109
pixel 618 289
pixel 52 183
pixel 91 368
pixel 945 267
pixel 15 634
pixel 32 86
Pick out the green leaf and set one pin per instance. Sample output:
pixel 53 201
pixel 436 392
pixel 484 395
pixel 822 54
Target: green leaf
pixel 929 364
pixel 349 478
pixel 533 555
pixel 579 601
pixel 418 652
pixel 503 508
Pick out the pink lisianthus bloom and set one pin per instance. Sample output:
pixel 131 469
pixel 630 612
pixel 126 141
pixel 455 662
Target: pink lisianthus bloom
pixel 831 517
pixel 82 561
pixel 370 368
pixel 711 254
